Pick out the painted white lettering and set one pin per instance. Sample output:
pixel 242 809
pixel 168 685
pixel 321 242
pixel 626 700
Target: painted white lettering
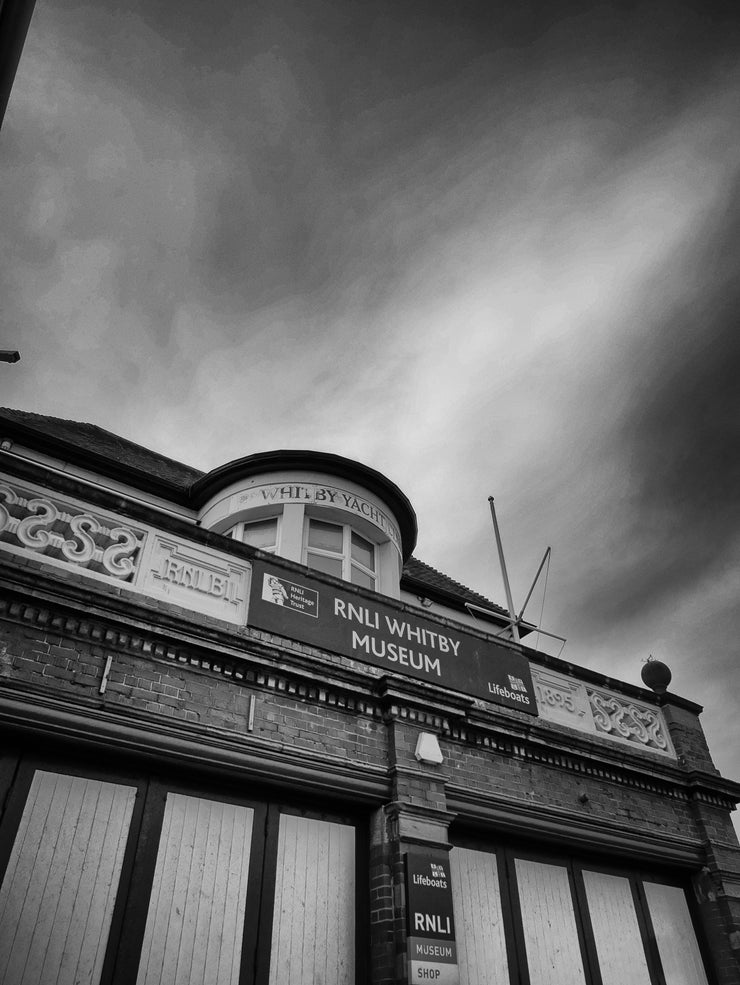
pixel 355 612
pixel 395 627
pixel 432 666
pixel 339 608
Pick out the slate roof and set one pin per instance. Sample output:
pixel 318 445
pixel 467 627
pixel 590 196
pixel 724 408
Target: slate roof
pixel 73 437
pixel 417 574
pixel 90 445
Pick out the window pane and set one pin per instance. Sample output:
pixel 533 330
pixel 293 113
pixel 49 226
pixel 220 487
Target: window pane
pixel 320 562
pixel 363 551
pixel 262 533
pixel 326 536
pixel 360 578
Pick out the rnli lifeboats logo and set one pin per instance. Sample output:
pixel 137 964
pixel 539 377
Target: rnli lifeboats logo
pixel 432 949
pixel 280 591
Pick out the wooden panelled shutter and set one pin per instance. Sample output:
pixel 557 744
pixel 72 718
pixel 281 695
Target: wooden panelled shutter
pixel 195 922
pixel 313 932
pixel 479 925
pixel 57 897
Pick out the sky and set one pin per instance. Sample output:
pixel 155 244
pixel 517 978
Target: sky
pixel 485 248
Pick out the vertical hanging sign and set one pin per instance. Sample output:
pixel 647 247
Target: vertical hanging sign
pixel 430 922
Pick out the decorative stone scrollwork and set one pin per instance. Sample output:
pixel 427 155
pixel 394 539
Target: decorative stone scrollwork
pixel 56 529
pixel 623 718
pixel 76 536
pixel 564 700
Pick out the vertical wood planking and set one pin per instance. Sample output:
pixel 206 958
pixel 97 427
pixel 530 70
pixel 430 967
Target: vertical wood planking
pixel 57 898
pixel 674 935
pixel 313 936
pixel 481 945
pixel 616 929
pixel 549 922
pixel 193 933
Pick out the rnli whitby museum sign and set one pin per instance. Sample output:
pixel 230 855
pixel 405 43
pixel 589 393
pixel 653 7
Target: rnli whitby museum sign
pixel 308 610
pixel 430 922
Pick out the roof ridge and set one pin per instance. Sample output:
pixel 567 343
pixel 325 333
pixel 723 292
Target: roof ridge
pixel 44 417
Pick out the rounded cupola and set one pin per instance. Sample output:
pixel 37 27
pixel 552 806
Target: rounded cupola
pixel 322 510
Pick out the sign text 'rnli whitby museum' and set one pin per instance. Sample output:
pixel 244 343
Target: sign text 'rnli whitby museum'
pixel 249 739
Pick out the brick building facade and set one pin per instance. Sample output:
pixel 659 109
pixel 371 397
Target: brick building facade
pixel 247 737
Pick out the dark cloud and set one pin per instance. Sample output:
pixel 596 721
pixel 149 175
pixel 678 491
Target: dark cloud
pixel 678 443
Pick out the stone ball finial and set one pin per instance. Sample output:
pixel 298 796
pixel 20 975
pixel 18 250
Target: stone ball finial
pixel 656 675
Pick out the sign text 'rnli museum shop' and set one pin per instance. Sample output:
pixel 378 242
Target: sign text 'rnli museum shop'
pixel 249 739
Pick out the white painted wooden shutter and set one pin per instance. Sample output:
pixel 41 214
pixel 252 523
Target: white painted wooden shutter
pixel 616 930
pixel 550 931
pixel 479 928
pixel 313 934
pixel 674 934
pixel 57 897
pixel 195 922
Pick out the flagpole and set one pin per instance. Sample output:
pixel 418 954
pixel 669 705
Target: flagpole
pixel 509 600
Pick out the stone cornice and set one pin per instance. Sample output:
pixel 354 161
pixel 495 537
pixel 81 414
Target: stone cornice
pixel 217 751
pixel 523 820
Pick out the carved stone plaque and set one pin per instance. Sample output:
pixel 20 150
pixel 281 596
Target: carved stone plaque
pixel 599 711
pixel 198 578
pixel 562 699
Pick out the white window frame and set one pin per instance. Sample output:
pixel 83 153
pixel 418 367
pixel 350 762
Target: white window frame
pixel 346 555
pixel 237 532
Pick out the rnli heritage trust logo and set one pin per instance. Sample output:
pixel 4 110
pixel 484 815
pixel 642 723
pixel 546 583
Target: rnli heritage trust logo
pixel 376 633
pixel 280 591
pixel 432 950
